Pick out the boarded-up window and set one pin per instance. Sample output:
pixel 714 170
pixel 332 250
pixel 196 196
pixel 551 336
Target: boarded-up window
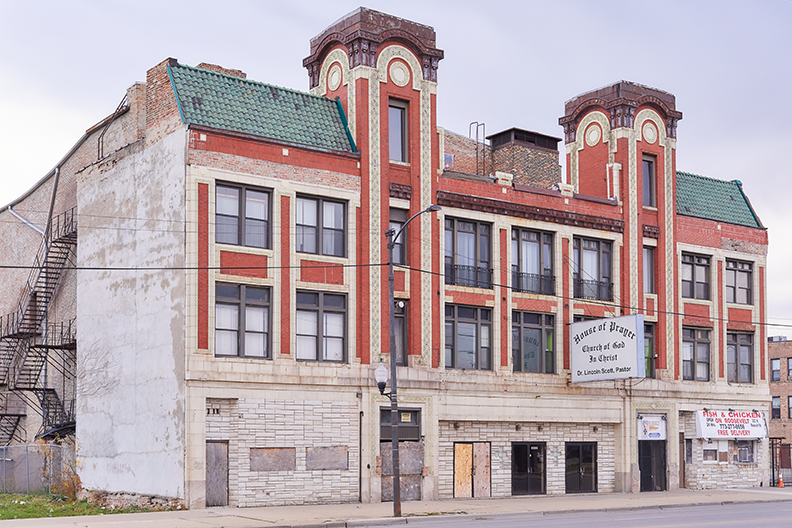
pixel 331 457
pixel 273 459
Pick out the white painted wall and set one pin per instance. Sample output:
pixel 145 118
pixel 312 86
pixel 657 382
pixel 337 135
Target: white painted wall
pixel 130 395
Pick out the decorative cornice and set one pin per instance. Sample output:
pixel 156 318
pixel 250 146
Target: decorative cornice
pixel 530 212
pixel 650 231
pixel 397 190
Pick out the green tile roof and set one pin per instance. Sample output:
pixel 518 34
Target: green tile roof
pixel 230 103
pixel 718 200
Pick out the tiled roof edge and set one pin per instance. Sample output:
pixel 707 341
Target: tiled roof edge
pixel 175 92
pixel 259 83
pixel 758 225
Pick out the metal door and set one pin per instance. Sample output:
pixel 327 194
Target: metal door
pixel 528 468
pixel 216 474
pixel 581 467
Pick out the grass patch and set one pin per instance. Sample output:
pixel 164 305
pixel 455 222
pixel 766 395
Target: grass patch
pixel 32 506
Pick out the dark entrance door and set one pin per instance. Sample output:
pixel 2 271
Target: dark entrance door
pixel 652 464
pixel 528 468
pixel 581 467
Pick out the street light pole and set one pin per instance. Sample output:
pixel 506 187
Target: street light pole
pixel 393 235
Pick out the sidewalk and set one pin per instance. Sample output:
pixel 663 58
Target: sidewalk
pixel 340 515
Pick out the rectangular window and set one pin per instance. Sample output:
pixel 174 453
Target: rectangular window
pixel 688 450
pixel 242 215
pixel 695 276
pixel 241 321
pixel 532 342
pixel 745 451
pixel 400 319
pixel 321 226
pixel 649 350
pixel 738 282
pixel 648 181
pixel 648 270
pixel 789 407
pixel 321 326
pixel 789 369
pixel 397 219
pixel 695 354
pixel 711 452
pixel 739 358
pixel 592 269
pixel 468 337
pixel 776 407
pixel 775 370
pixel 397 130
pixel 468 257
pixel 532 261
pixel 409 425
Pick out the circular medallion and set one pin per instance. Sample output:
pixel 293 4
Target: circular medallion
pixel 334 77
pixel 593 135
pixel 649 133
pixel 399 74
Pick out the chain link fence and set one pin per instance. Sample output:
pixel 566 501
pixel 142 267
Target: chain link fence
pixel 33 468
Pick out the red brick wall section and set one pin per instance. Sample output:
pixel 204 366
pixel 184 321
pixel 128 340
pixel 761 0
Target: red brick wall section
pixel 529 165
pixel 763 319
pixel 203 264
pixel 162 111
pixel 697 315
pixel 285 273
pixel 321 272
pixel 436 301
pixel 567 293
pixel 243 264
pixel 399 281
pixel 741 319
pixel 592 168
pixel 719 323
pixel 462 151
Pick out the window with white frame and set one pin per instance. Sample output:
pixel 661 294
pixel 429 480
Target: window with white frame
pixel 397 219
pixel 532 342
pixel 468 337
pixel 775 370
pixel 745 451
pixel 775 408
pixel 648 269
pixel 532 261
pixel 695 354
pixel 738 282
pixel 397 130
pixel 648 181
pixel 242 215
pixel 695 276
pixel 242 321
pixel 592 269
pixel 739 357
pixel 321 226
pixel 321 326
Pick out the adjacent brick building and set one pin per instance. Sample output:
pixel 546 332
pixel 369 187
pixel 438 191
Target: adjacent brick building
pixel 230 291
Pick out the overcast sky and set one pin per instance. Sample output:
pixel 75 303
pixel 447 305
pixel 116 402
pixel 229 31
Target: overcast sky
pixel 66 65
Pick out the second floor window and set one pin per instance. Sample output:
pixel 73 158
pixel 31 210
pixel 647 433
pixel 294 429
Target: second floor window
pixel 321 326
pixel 592 269
pixel 775 370
pixel 397 130
pixel 739 358
pixel 468 337
pixel 695 354
pixel 400 332
pixel 695 276
pixel 241 321
pixel 776 407
pixel 738 282
pixel 648 181
pixel 242 216
pixel 320 226
pixel 532 261
pixel 467 253
pixel 397 219
pixel 532 342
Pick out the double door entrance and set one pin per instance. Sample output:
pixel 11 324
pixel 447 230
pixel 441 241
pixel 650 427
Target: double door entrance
pixel 581 467
pixel 528 468
pixel 472 469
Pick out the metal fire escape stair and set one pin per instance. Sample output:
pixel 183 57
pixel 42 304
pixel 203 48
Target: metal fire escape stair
pixel 23 353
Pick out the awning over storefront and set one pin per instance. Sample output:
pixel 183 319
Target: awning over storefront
pixel 738 425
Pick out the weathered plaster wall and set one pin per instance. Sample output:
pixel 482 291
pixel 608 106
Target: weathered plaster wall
pixel 131 367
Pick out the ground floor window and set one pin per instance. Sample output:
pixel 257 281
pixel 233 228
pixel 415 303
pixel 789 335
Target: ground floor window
pixel 745 451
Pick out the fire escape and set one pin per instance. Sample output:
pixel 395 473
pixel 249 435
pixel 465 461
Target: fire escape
pixel 38 359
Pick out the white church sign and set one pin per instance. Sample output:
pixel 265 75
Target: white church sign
pixel 608 349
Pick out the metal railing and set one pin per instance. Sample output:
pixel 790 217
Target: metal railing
pixel 533 283
pixel 592 289
pixel 470 276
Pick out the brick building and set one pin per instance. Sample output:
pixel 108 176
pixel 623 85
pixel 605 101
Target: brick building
pixel 231 301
